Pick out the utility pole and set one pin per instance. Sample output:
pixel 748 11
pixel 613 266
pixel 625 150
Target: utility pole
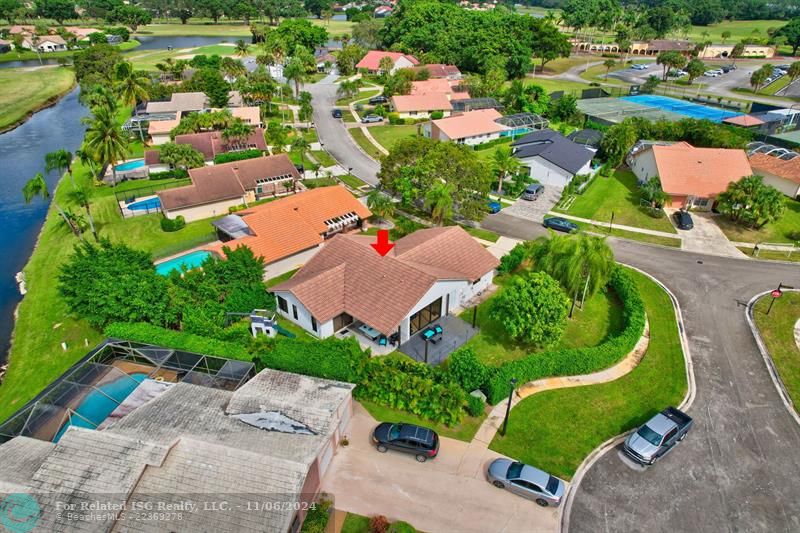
pixel 508 407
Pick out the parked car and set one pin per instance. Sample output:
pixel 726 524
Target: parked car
pixel 658 436
pixel 372 118
pixel 561 224
pixel 422 442
pixel 711 73
pixel 533 191
pixel 683 220
pixel 783 67
pixel 380 99
pixel 336 113
pixel 726 69
pixel 494 207
pixel 526 481
pixel 640 66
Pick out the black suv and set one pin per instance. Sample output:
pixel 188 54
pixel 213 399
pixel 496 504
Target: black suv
pixel 417 440
pixel 380 99
pixel 337 113
pixel 683 220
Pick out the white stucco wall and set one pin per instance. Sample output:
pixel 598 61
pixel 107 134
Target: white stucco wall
pixel 200 212
pixel 644 165
pixel 421 114
pixel 401 62
pixel 292 262
pixel 159 139
pixel 549 174
pixel 303 316
pixel 787 187
pixel 480 139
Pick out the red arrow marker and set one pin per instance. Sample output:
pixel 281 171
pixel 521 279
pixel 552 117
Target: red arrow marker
pixel 382 244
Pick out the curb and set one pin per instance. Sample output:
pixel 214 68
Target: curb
pixel 762 347
pixel 600 451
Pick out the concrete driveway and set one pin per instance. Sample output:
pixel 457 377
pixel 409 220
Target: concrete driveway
pixel 535 210
pixel 447 494
pixel 705 237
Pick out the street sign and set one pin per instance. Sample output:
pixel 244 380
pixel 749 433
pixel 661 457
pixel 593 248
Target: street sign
pixel 776 293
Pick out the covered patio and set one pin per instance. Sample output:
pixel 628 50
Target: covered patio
pixel 455 332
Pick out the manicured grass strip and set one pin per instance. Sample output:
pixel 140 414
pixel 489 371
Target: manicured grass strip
pixel 777 330
pixel 771 255
pixel 355 523
pixel 556 430
pixel 362 95
pixel 619 195
pixel 783 230
pixel 388 136
pixel 631 235
pixel 26 91
pixel 364 143
pixel 271 282
pixel 352 181
pixel 481 233
pixel 323 158
pixel 464 431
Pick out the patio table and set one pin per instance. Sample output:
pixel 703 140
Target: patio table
pixel 371 333
pixel 433 333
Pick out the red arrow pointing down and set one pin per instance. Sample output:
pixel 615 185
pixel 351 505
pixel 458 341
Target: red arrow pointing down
pixel 382 244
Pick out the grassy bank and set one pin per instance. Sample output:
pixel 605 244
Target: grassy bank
pixel 26 91
pixel 388 136
pixel 556 430
pixel 364 143
pixel 207 28
pixel 777 330
pixel 782 230
pixel 28 55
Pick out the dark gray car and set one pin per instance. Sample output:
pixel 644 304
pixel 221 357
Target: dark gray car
pixel 527 481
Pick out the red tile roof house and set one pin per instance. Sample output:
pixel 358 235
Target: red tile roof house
pixel 291 230
pixel 217 188
pixel 440 71
pixel 421 105
pixel 371 61
pixel 450 88
pixel 470 128
pixel 692 177
pixel 347 284
pixel 782 174
pixel 210 144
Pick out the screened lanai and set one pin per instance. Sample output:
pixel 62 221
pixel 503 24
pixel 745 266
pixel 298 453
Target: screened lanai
pixel 97 385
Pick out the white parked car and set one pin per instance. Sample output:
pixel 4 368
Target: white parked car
pixel 640 66
pixel 711 74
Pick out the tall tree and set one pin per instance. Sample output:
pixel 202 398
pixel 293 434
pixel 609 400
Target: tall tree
pixel 237 132
pixel 760 76
pixel 295 72
pixel 37 186
pixel 380 203
pixel 439 199
pixel 105 139
pixel 301 146
pixel 180 155
pixel 670 60
pixel 695 68
pixel 609 64
pixel 129 15
pixel 241 48
pixel 504 164
pixel 131 87
pixel 792 33
pixel 751 202
pixel 60 160
pixel 82 197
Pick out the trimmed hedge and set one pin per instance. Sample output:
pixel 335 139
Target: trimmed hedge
pixel 331 358
pixel 572 362
pixel 237 156
pixel 172 224
pixel 178 340
pixel 176 173
pixel 492 143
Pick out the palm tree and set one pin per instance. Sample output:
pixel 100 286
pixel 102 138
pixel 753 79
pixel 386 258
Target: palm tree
pixel 300 144
pixel 237 132
pixel 130 88
pixel 86 158
pixel 266 59
pixel 105 139
pixel 100 96
pixel 609 64
pixel 347 89
pixel 60 160
pixel 504 164
pixel 83 197
pixel 295 71
pixel 380 204
pixel 241 48
pixel 232 68
pixel 37 186
pixel 439 200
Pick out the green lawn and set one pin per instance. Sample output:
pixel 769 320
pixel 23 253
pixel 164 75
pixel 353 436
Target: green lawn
pixel 207 28
pixel 550 85
pixel 148 59
pixel 388 135
pixel 464 431
pixel 597 73
pixel 738 28
pixel 631 235
pixel 555 430
pixel 619 195
pixel 362 95
pixel 591 326
pixel 25 91
pixel 481 233
pixel 27 54
pixel 561 64
pixel 779 231
pixel 777 330
pixel 352 181
pixel 323 158
pixel 770 255
pixel 364 143
pixel 319 182
pixel 356 523
pixel 280 279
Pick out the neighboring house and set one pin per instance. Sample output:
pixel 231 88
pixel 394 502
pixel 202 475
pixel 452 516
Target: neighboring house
pixel 382 12
pixel 656 46
pixel 450 88
pixel 217 188
pixel 440 71
pixel 692 177
pixel 250 115
pixel 270 441
pixel 589 138
pixel 783 174
pixel 371 61
pixel 5 46
pixel 426 275
pixel 325 61
pixel 290 231
pixel 421 106
pixel 180 103
pixel 714 51
pixel 212 143
pixel 158 130
pixel 45 43
pixel 81 34
pixel 551 158
pixel 471 128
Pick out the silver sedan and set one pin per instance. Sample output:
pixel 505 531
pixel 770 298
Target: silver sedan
pixel 527 481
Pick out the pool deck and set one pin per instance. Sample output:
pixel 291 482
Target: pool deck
pixel 128 213
pixel 202 247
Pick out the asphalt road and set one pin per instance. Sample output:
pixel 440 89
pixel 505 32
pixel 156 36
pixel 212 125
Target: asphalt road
pixel 738 469
pixel 332 133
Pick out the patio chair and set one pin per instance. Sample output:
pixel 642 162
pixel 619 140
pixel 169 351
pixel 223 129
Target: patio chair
pixel 382 341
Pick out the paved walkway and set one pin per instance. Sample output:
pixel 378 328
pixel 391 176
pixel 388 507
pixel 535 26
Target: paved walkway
pixel 604 224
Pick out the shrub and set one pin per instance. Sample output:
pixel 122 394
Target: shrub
pixel 464 368
pixel 317 517
pixel 570 362
pixel 331 358
pixel 402 383
pixel 170 224
pixel 394 119
pixel 378 524
pixel 237 156
pixel 492 143
pixel 475 405
pixel 401 527
pixel 178 173
pixel 178 340
pixel 436 115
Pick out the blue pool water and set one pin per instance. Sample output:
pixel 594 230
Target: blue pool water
pixel 189 261
pixel 145 205
pixel 96 406
pixel 130 165
pixel 682 107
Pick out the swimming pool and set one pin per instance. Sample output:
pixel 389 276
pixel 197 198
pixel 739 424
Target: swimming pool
pixel 149 204
pixel 187 261
pixel 682 107
pixel 97 405
pixel 130 165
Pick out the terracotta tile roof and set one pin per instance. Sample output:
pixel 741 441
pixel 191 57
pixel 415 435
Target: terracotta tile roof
pixel 160 127
pixel 372 60
pixel 211 143
pixel 471 123
pixel 787 169
pixel 438 70
pixel 450 88
pixel 227 181
pixel 348 276
pixel 702 172
pixel 744 121
pixel 295 223
pixel 422 102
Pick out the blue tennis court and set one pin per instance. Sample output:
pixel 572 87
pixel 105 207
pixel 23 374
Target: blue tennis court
pixel 682 107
